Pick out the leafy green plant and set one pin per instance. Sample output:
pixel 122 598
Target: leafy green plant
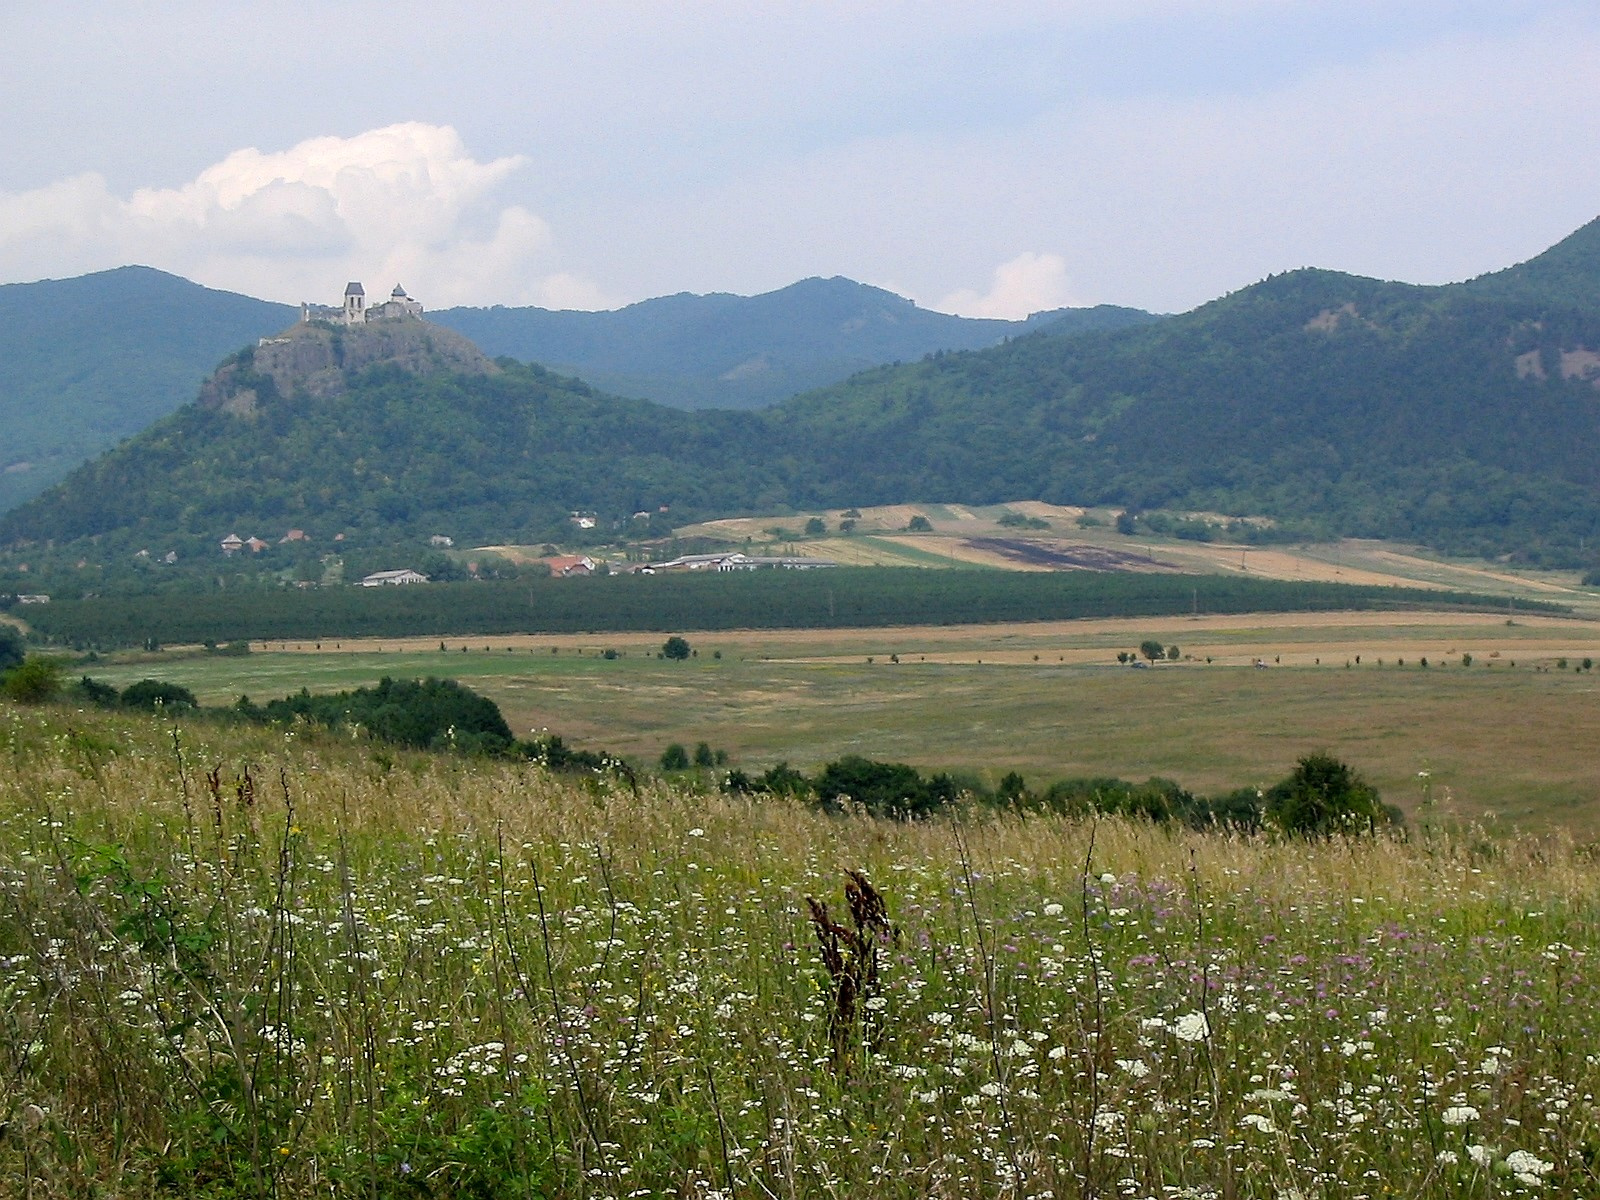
pixel 1321 797
pixel 35 681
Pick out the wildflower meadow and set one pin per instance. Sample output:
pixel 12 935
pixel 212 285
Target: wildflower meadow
pixel 237 962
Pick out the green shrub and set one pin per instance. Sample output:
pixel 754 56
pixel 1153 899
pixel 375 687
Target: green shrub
pixel 92 691
pixel 1321 797
pixel 11 649
pixel 155 695
pixel 33 682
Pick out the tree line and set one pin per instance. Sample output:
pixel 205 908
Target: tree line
pixel 845 597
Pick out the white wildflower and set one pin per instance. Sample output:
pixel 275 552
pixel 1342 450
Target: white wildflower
pixel 1191 1027
pixel 1459 1114
pixel 1259 1121
pixel 1528 1167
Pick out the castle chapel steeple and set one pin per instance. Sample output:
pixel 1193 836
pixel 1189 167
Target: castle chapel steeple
pixel 355 304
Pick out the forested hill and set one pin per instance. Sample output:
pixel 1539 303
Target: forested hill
pixel 1464 417
pixel 86 362
pixel 725 351
pixel 1566 274
pixel 1337 403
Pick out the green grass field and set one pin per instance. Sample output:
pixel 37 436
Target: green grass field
pixel 1500 743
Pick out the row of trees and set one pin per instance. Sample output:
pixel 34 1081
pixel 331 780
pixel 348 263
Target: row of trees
pixel 842 597
pixel 1320 797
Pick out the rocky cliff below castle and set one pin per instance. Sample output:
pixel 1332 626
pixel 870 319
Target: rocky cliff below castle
pixel 319 360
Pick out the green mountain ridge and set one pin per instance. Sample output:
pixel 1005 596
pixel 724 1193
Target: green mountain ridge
pixel 1466 417
pixel 726 351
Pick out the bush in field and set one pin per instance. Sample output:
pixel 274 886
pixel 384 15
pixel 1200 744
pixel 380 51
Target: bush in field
pixel 422 714
pixel 1323 796
pixel 675 648
pixel 35 681
pixel 11 651
pixel 882 789
pixel 675 758
pixel 154 695
pixel 92 691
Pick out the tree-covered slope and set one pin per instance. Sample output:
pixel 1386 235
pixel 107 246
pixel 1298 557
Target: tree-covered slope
pixel 414 436
pixel 1329 400
pixel 86 362
pixel 725 351
pixel 1566 274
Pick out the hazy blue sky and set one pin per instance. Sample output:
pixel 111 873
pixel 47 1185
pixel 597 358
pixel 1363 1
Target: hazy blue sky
pixel 987 158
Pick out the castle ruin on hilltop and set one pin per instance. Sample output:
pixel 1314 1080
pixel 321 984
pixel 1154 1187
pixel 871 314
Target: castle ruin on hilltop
pixel 355 311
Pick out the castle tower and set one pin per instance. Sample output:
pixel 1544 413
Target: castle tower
pixel 355 304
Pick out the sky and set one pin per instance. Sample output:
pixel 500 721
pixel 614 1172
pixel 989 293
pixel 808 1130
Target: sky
pixel 988 159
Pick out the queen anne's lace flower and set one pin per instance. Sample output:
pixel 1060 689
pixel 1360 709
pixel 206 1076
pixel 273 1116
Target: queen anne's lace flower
pixel 1528 1168
pixel 1191 1027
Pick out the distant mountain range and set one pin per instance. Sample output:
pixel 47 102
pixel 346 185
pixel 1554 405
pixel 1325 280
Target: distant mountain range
pixel 723 351
pixel 87 362
pixel 1466 417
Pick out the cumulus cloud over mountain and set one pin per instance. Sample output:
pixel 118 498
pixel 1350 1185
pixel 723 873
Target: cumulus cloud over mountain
pixel 1021 286
pixel 407 202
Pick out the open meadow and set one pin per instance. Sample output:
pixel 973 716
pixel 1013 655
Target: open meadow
pixel 1503 739
pixel 249 963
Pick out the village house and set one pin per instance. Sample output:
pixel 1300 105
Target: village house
pixel 564 565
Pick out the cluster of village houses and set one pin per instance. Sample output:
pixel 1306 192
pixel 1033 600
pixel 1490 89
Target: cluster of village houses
pixel 561 566
pixel 567 566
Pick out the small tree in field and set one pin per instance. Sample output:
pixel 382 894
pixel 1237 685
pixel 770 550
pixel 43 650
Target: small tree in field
pixel 1323 797
pixel 675 648
pixel 34 682
pixel 675 758
pixel 1152 649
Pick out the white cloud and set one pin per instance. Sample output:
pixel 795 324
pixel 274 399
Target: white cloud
pixel 1027 284
pixel 404 203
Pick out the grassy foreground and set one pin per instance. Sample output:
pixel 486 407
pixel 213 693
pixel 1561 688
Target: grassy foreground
pixel 249 964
